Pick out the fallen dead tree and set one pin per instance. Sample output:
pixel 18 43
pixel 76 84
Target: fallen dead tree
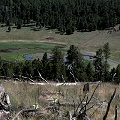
pixel 23 111
pixel 77 110
pixel 86 104
pixel 5 105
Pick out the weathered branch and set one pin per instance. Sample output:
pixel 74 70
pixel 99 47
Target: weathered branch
pixel 116 112
pixel 87 102
pixel 42 77
pixel 109 103
pixel 23 110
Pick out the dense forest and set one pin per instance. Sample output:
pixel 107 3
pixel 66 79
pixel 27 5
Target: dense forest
pixel 64 15
pixel 70 68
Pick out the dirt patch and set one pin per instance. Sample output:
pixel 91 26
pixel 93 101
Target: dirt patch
pixel 49 38
pixel 39 41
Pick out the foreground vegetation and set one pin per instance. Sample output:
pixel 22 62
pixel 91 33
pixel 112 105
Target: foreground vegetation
pixel 24 95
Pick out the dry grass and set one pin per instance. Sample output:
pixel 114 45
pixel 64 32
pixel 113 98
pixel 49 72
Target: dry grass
pixel 24 95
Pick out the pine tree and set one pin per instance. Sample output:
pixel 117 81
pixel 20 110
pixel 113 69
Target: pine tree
pixel 72 54
pixel 75 64
pixel 106 51
pixel 98 65
pixel 28 69
pixel 57 61
pixel 118 74
pixel 90 73
pixel 44 59
pixel 44 65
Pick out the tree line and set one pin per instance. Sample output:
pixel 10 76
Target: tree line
pixel 64 15
pixel 60 68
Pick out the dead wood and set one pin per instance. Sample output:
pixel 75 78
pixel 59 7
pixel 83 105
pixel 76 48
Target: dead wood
pixel 86 88
pixel 42 77
pixel 116 112
pixel 88 100
pixel 4 115
pixel 22 111
pixel 109 104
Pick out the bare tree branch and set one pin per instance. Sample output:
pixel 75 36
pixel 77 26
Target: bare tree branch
pixel 116 112
pixel 42 77
pixel 109 103
pixel 23 110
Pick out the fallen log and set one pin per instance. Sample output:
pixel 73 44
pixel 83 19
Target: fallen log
pixel 22 111
pixel 5 104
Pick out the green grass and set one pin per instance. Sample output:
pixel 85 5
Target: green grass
pixel 85 41
pixel 17 50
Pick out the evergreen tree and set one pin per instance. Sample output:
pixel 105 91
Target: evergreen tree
pixel 64 15
pixel 118 74
pixel 44 65
pixel 72 54
pixel 37 66
pixel 98 65
pixel 90 73
pixel 18 68
pixel 113 75
pixel 44 59
pixel 106 51
pixel 28 69
pixel 57 61
pixel 75 64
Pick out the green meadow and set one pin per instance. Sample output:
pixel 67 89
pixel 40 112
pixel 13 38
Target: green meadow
pixel 17 50
pixel 26 41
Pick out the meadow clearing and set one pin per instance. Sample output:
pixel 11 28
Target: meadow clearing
pixel 19 42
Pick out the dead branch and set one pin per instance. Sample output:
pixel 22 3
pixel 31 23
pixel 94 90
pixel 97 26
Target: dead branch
pixel 23 110
pixel 81 102
pixel 27 78
pixel 109 103
pixel 92 94
pixel 42 77
pixel 5 77
pixel 95 110
pixel 74 76
pixel 116 112
pixel 98 99
pixel 88 101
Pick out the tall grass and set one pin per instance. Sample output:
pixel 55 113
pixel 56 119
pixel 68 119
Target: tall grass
pixel 24 95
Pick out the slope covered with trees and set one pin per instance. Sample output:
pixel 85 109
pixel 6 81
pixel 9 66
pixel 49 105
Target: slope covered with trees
pixel 65 15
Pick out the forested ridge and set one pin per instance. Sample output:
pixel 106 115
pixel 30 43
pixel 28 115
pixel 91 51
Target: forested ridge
pixel 65 15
